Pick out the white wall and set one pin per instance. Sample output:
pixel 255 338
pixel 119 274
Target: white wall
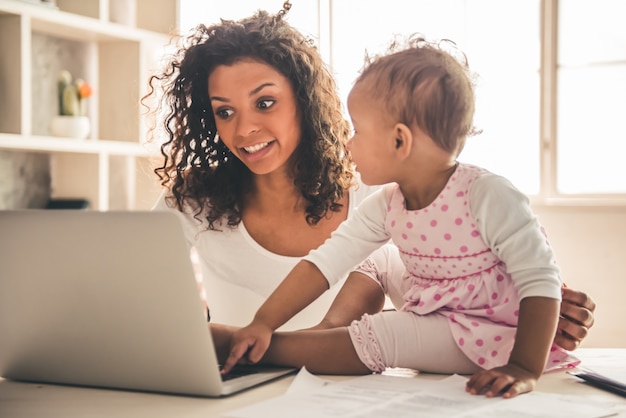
pixel 590 245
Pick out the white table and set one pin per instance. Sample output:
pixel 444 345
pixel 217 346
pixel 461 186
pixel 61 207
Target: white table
pixel 32 400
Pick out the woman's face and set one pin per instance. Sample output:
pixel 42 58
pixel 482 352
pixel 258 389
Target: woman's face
pixel 255 113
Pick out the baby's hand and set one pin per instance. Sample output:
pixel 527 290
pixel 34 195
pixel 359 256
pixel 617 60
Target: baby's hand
pixel 509 380
pixel 251 341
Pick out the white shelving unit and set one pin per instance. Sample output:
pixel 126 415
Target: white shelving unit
pixel 113 167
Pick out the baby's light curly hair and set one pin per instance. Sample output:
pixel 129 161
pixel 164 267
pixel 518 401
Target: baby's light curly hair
pixel 199 169
pixel 428 84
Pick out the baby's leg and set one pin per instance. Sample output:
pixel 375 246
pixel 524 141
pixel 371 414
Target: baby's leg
pixel 403 339
pixel 328 351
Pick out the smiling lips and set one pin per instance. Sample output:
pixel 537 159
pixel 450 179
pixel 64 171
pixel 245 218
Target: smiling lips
pixel 256 148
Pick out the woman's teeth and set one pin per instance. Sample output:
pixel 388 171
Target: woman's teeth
pixel 254 148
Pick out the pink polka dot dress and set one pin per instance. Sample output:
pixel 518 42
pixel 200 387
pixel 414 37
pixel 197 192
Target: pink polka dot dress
pixel 454 272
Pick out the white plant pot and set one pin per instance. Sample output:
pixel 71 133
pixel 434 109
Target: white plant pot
pixel 70 126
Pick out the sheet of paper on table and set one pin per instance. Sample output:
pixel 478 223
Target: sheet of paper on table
pixel 378 395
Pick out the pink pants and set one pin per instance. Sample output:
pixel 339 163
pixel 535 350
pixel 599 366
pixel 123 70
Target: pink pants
pixel 403 339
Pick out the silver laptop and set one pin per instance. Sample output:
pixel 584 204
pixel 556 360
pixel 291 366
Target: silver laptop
pixel 106 299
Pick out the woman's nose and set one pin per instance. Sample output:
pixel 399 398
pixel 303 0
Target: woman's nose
pixel 247 124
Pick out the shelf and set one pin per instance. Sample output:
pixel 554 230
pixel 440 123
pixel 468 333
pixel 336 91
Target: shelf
pixel 15 142
pixel 115 45
pixel 61 24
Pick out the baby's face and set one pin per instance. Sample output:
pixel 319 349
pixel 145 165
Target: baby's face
pixel 372 142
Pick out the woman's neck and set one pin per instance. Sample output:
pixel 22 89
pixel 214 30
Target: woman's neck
pixel 273 213
pixel 273 194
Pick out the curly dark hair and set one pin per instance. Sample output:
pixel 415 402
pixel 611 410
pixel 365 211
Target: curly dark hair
pixel 199 169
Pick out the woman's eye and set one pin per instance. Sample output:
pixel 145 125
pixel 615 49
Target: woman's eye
pixel 223 113
pixel 265 104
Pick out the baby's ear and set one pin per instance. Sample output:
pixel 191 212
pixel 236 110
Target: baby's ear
pixel 403 141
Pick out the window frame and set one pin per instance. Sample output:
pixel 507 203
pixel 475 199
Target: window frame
pixel 548 81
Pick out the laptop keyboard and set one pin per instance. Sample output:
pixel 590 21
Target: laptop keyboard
pixel 237 371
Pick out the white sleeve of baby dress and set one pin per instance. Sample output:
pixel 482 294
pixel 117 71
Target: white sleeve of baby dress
pixel 355 239
pixel 513 232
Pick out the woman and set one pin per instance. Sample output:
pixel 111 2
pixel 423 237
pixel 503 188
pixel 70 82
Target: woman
pixel 256 166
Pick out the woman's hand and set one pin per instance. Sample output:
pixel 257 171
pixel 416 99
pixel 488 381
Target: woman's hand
pixel 509 380
pixel 576 317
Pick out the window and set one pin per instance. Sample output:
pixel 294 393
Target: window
pixel 591 99
pixel 551 86
pixel 501 40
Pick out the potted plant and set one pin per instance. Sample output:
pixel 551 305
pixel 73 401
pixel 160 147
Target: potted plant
pixel 71 120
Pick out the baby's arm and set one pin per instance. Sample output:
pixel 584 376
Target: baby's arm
pixel 303 285
pixel 510 228
pixel 538 318
pixel 351 243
